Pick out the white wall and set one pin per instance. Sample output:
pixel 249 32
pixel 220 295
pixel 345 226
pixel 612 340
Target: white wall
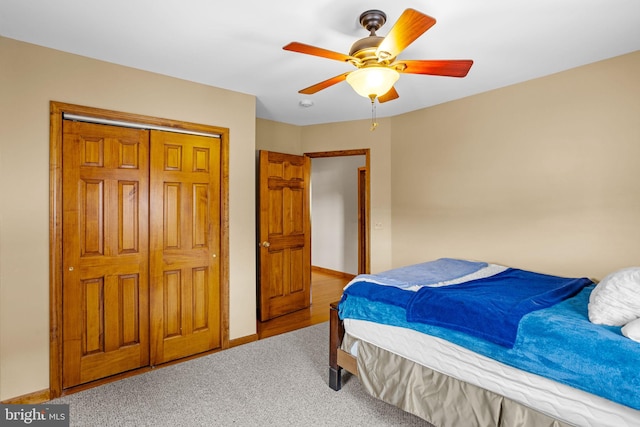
pixel 334 212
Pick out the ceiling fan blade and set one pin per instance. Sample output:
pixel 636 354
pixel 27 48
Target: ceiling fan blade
pixel 325 84
pixel 389 96
pixel 449 68
pixel 317 51
pixel 411 25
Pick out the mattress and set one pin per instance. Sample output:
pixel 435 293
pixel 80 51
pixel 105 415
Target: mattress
pixel 549 397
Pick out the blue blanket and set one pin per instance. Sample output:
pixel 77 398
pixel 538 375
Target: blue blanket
pixel 426 273
pixel 558 342
pixel 491 308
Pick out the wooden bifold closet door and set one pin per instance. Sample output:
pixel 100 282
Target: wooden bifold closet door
pixel 185 271
pixel 141 227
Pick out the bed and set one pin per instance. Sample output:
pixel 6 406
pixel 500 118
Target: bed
pixel 459 342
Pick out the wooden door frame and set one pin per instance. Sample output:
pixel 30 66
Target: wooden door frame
pixel 363 220
pixel 57 111
pixel 364 211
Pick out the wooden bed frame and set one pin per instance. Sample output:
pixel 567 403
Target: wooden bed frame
pixel 338 358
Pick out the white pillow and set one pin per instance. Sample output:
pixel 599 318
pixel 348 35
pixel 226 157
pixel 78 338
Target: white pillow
pixel 632 330
pixel 615 301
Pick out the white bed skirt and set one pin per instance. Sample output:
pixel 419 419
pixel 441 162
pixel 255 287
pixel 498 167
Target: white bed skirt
pixel 556 400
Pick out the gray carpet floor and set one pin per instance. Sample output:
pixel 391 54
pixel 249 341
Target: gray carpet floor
pixel 278 381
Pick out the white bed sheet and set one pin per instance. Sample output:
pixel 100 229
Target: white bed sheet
pixel 557 400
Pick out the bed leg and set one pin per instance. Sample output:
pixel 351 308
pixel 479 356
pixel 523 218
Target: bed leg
pixel 336 334
pixel 335 379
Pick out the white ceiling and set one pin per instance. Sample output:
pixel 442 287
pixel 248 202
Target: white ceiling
pixel 237 44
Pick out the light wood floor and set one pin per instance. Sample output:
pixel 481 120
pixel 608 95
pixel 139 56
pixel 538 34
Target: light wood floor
pixel 326 287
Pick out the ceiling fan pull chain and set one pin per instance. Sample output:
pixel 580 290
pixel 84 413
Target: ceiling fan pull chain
pixel 374 122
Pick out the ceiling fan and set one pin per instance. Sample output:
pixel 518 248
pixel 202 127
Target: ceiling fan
pixel 375 57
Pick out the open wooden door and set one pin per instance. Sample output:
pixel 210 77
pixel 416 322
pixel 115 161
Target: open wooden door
pixel 285 234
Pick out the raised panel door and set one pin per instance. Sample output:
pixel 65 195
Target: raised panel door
pixel 285 234
pixel 185 246
pixel 105 251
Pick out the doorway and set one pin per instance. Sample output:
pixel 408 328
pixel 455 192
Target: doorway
pixel 346 202
pixel 317 310
pixel 326 284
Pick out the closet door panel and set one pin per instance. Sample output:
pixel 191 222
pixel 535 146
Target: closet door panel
pixel 185 244
pixel 105 251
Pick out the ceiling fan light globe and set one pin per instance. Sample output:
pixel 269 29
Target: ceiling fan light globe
pixel 372 81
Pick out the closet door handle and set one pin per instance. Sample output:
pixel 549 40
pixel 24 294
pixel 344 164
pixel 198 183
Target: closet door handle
pixel 266 244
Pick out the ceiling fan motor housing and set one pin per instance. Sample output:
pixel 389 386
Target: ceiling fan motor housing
pixel 372 20
pixel 365 48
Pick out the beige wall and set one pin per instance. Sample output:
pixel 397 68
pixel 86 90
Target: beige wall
pixel 278 137
pixel 543 174
pixel 290 139
pixel 356 135
pixel 30 77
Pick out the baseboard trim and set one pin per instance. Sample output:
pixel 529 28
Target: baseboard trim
pixel 243 340
pixel 45 395
pixel 335 273
pixel 30 398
